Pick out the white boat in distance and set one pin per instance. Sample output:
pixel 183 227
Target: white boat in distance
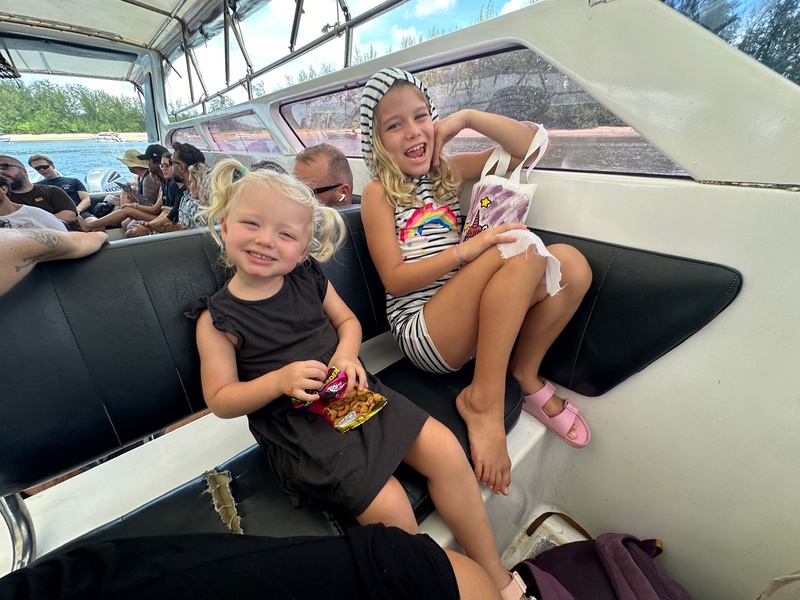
pixel 4 138
pixel 698 445
pixel 108 136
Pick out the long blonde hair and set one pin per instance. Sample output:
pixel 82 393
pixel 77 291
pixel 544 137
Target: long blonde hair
pixel 326 230
pixel 400 189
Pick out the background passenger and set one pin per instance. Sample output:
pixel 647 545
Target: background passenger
pixel 22 249
pixel 270 165
pixel 72 186
pixel 20 216
pixel 47 197
pixel 154 178
pixel 182 215
pixel 171 191
pixel 324 168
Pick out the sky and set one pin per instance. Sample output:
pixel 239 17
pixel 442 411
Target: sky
pixel 266 36
pixel 415 18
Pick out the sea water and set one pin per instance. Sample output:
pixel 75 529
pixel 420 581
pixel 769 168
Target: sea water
pixel 74 158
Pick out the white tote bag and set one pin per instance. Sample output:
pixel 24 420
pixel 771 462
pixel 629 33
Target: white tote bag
pixel 497 199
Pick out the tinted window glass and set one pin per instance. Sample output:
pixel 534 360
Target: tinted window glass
pixel 244 132
pixel 186 135
pixel 519 84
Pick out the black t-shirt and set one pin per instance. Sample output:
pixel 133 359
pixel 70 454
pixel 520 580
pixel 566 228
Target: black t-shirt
pixel 47 197
pixel 172 193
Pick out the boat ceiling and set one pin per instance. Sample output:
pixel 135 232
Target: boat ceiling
pixel 109 39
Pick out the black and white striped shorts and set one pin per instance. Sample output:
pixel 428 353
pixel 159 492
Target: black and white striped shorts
pixel 412 336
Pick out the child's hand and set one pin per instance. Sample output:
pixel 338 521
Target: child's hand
pixel 297 377
pixel 444 131
pixel 474 247
pixel 355 371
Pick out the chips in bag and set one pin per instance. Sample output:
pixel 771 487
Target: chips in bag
pixel 343 412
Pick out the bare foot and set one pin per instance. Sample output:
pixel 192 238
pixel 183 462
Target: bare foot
pixel 487 443
pixel 85 224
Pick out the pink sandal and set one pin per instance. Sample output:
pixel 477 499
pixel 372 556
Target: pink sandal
pixel 516 588
pixel 562 422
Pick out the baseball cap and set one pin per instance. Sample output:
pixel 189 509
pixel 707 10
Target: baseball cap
pixel 153 152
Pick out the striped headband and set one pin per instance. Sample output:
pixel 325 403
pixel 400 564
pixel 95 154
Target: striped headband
pixel 373 91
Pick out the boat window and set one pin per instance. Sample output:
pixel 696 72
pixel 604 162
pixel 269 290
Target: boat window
pixel 186 135
pixel 518 83
pixel 767 30
pixel 243 132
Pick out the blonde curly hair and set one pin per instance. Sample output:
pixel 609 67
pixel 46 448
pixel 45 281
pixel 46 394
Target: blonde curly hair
pixel 326 230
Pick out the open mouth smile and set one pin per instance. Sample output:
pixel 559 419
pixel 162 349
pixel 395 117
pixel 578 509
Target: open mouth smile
pixel 260 256
pixel 417 153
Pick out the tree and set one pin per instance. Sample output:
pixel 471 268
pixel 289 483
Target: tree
pixel 45 107
pixel 220 102
pixel 719 17
pixel 773 38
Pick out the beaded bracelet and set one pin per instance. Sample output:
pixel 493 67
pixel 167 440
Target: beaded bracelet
pixel 461 261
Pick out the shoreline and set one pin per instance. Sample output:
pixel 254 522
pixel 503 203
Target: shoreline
pixel 139 136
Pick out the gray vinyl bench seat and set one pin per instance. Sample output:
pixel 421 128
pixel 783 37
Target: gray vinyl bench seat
pixel 68 397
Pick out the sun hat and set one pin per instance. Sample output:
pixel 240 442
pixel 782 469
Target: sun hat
pixel 375 89
pixel 153 152
pixel 131 159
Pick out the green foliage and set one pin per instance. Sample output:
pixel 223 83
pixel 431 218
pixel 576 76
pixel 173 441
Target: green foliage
pixel 359 57
pixel 45 107
pixel 259 90
pixel 219 103
pixel 773 38
pixel 486 12
pixel 770 34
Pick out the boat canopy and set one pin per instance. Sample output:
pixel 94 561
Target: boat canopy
pixel 109 39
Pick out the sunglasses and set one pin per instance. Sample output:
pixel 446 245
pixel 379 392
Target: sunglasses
pixel 165 167
pixel 177 162
pixel 8 166
pixel 326 188
pixel 41 167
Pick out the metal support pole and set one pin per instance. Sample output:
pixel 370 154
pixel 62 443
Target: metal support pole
pixel 20 526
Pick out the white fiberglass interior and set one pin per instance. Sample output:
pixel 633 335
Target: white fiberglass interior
pixel 698 448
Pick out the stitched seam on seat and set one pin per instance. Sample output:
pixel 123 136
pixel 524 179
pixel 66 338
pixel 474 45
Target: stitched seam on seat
pixel 589 319
pixel 717 310
pixel 80 351
pixel 161 327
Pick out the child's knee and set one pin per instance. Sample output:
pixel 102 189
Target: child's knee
pixel 575 270
pixel 438 447
pixel 391 507
pixel 528 265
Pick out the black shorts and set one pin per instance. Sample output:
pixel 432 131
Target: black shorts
pixel 365 563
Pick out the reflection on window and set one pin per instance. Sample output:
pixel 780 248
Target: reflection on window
pixel 186 135
pixel 519 84
pixel 767 30
pixel 332 118
pixel 245 133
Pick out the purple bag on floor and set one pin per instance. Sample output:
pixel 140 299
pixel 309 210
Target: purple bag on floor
pixel 614 566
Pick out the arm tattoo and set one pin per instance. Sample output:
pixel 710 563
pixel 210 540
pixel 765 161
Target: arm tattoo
pixel 45 237
pixel 48 239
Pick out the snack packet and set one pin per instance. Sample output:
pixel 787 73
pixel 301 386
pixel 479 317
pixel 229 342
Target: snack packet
pixel 343 412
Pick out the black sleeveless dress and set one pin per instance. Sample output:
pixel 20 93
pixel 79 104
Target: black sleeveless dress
pixel 312 461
